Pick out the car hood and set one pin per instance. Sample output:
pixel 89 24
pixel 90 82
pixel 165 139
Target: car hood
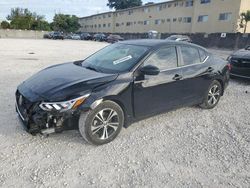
pixel 245 54
pixel 63 81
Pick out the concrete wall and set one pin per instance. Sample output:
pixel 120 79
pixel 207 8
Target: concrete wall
pixel 11 33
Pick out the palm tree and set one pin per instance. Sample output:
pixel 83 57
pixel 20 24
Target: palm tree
pixel 245 17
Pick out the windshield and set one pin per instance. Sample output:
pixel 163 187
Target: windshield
pixel 115 58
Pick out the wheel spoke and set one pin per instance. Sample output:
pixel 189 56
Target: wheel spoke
pixel 96 129
pixel 214 100
pixel 210 100
pixel 111 115
pixel 100 117
pixel 105 133
pixel 112 125
pixel 217 93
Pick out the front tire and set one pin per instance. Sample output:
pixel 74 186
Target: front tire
pixel 102 124
pixel 212 96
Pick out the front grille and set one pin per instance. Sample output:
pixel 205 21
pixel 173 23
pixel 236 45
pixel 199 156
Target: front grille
pixel 23 104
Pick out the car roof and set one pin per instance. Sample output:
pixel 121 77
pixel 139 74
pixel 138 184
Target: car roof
pixel 157 42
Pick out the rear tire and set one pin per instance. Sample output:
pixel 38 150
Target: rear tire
pixel 102 124
pixel 212 95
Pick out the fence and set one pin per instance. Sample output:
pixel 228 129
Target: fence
pixel 11 33
pixel 214 40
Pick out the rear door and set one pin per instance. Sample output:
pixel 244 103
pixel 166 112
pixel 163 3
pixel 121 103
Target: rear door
pixel 197 73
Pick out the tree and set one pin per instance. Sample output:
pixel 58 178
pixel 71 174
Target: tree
pixel 24 19
pixel 5 25
pixel 123 4
pixel 245 18
pixel 66 23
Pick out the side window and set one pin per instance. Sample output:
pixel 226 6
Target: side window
pixel 190 55
pixel 203 55
pixel 164 58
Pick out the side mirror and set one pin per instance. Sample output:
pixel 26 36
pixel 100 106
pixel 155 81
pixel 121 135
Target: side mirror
pixel 150 70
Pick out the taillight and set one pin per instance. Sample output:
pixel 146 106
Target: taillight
pixel 229 66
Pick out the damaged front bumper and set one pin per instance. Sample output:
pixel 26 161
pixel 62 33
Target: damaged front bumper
pixel 36 120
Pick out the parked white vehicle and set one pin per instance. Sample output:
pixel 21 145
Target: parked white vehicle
pixel 76 37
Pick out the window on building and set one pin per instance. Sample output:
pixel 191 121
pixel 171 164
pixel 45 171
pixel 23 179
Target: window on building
pixel 109 15
pixel 159 8
pixel 203 18
pixel 176 4
pixel 187 19
pixel 225 16
pixel 95 26
pixel 190 55
pixel 146 22
pixel 117 24
pixel 205 1
pixel 181 4
pixel 168 20
pixel 146 10
pixel 165 58
pixel 128 24
pixel 99 25
pixel 104 16
pixel 104 25
pixel 180 19
pixel 157 22
pixel 169 5
pixel 109 24
pixel 130 12
pixel 174 19
pixel 189 3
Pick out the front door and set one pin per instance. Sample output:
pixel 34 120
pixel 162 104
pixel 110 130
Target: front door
pixel 158 93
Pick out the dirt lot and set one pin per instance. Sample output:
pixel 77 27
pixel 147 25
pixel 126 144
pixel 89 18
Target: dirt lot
pixel 189 147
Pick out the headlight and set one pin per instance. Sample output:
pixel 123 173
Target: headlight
pixel 65 105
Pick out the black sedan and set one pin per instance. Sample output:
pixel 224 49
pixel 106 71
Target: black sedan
pixel 100 37
pixel 120 84
pixel 114 38
pixel 240 62
pixel 57 35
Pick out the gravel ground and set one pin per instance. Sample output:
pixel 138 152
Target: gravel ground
pixel 189 147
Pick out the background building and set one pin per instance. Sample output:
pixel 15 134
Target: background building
pixel 177 16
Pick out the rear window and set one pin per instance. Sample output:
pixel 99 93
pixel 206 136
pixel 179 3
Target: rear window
pixel 190 55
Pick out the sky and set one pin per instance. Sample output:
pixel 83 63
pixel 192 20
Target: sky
pixel 48 8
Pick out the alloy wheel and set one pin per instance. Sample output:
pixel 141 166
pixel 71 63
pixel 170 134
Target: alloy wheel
pixel 213 95
pixel 105 123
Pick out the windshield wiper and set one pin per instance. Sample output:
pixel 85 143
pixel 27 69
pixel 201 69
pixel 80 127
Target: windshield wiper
pixel 91 68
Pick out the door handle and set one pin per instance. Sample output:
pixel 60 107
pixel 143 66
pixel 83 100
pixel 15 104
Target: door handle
pixel 210 69
pixel 177 77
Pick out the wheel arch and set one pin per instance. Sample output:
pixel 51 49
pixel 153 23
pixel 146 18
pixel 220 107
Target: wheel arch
pixel 222 85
